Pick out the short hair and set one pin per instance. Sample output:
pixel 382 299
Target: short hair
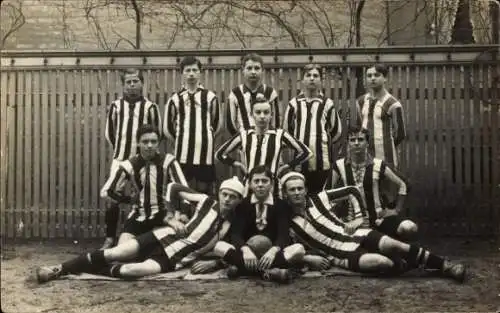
pixel 357 128
pixel 380 68
pixel 252 57
pixel 146 129
pixel 260 169
pixel 131 71
pixel 312 66
pixel 260 98
pixel 189 60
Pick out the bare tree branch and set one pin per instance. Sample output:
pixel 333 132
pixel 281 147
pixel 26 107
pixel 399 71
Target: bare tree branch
pixel 15 22
pixel 138 22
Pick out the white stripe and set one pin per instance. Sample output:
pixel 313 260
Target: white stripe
pixel 277 152
pixel 186 124
pixel 198 144
pixel 377 164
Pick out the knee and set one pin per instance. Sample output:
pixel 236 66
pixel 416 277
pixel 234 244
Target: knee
pixel 124 251
pixel 407 229
pixel 139 269
pixel 372 262
pixel 221 248
pixel 294 253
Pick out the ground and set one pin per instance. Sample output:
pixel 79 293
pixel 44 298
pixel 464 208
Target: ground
pixel 412 293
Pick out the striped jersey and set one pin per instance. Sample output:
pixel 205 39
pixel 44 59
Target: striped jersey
pixel 375 171
pixel 149 179
pixel 241 100
pixel 317 228
pixel 192 119
pixel 205 227
pixel 264 149
pixel 317 124
pixel 384 118
pixel 123 121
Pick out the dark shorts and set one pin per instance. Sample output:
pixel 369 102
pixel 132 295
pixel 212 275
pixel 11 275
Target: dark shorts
pixel 204 173
pixel 151 248
pixel 136 228
pixel 389 225
pixel 350 259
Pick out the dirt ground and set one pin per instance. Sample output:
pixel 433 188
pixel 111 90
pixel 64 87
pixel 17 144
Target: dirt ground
pixel 414 292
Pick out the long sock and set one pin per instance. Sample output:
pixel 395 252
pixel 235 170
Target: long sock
pixel 280 261
pixel 111 219
pixel 418 256
pixel 84 263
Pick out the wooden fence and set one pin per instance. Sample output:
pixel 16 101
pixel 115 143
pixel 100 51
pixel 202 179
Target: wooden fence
pixel 54 156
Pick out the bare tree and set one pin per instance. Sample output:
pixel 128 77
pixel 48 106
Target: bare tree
pixel 12 19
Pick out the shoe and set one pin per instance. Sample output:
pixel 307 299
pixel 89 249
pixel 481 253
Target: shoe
pixel 455 271
pixel 233 272
pixel 46 273
pixel 277 275
pixel 109 242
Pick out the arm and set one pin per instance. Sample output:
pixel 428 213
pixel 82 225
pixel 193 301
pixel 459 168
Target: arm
pixel 397 114
pixel 289 118
pixel 334 124
pixel 154 116
pixel 215 113
pixel 110 130
pixel 273 100
pixel 113 187
pixel 222 154
pixel 390 174
pixel 232 114
pixel 303 153
pixel 352 194
pixel 175 173
pixel 169 119
pixel 238 226
pixel 332 180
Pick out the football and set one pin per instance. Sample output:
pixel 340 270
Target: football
pixel 259 245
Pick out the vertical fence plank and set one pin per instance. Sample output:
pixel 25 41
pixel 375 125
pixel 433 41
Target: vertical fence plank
pixel 423 131
pixel 78 123
pixel 87 125
pixel 37 152
pixel 28 154
pixel 70 135
pixel 412 77
pixel 11 153
pixel 53 155
pixel 62 169
pixel 20 163
pixel 476 122
pixel 4 160
pixel 95 138
pixel 470 204
pixel 436 111
pixel 494 84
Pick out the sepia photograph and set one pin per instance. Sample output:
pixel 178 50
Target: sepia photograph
pixel 200 156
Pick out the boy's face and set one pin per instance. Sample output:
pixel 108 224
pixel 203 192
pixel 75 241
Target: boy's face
pixel 312 79
pixel 374 79
pixel 358 142
pixel 149 145
pixel 132 85
pixel 261 113
pixel 228 200
pixel 191 74
pixel 252 71
pixel 261 186
pixel 295 191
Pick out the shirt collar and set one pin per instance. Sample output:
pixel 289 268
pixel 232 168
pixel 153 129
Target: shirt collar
pixel 269 200
pixel 185 90
pixel 319 97
pixel 259 89
pixel 368 159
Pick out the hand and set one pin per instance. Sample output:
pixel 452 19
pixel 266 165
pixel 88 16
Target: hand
pixel 249 259
pixel 389 212
pixel 207 266
pixel 267 259
pixel 351 227
pixel 183 218
pixel 317 262
pixel 180 229
pixel 242 167
pixel 283 169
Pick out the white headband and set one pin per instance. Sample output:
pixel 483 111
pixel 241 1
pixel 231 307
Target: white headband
pixel 233 184
pixel 290 175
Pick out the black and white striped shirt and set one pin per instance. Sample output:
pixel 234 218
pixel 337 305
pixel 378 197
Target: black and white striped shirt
pixel 123 121
pixel 263 149
pixel 192 119
pixel 317 124
pixel 241 99
pixel 376 170
pixel 149 179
